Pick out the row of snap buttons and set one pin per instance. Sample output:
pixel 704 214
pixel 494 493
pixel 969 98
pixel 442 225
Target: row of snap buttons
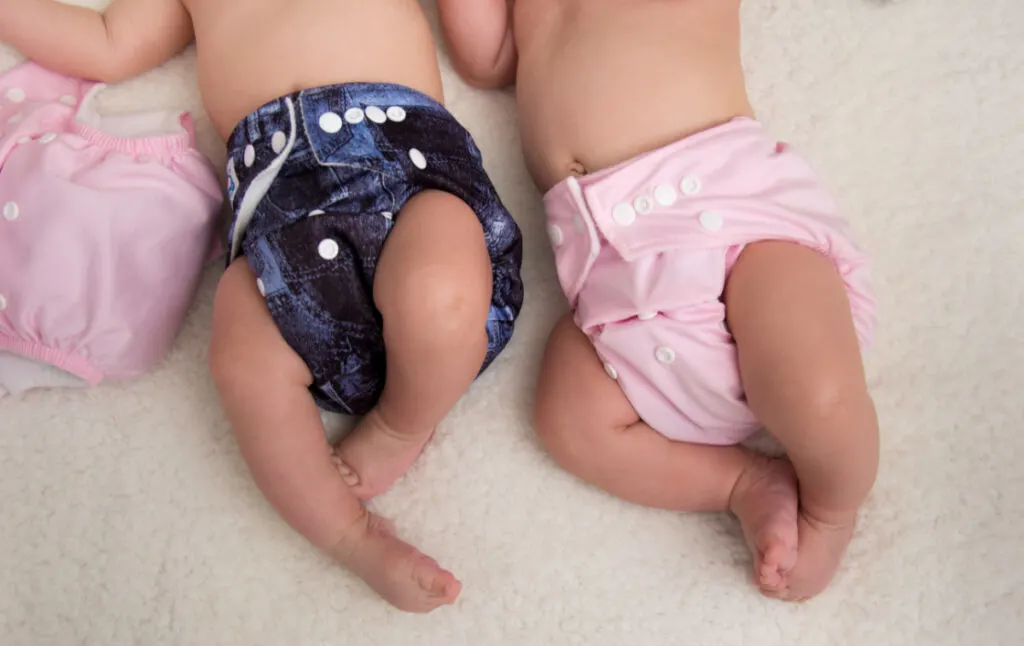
pixel 624 214
pixel 277 143
pixel 331 123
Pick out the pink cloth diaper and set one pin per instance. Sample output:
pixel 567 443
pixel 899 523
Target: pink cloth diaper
pixel 643 251
pixel 105 224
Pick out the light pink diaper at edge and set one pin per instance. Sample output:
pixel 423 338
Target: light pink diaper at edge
pixel 105 225
pixel 643 251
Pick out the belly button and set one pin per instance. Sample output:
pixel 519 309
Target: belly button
pixel 577 169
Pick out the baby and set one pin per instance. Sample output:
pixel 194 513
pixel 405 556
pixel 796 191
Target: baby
pixel 714 286
pixel 367 241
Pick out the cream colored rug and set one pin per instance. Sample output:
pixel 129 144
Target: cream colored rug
pixel 128 517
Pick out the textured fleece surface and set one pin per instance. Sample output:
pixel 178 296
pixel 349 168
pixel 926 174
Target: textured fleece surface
pixel 128 517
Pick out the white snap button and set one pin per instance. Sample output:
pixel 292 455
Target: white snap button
pixel 711 221
pixel 387 215
pixel 249 158
pixel 261 287
pixel 354 115
pixel 555 235
pixel 665 194
pixel 11 211
pixel 14 118
pixel 665 355
pixel 643 205
pixel 278 142
pixel 15 95
pixel 330 122
pixel 610 370
pixel 3 303
pixel 690 186
pixel 646 316
pixel 375 114
pixel 315 213
pixel 396 113
pixel 328 249
pixel 623 214
pixel 47 138
pixel 68 99
pixel 418 159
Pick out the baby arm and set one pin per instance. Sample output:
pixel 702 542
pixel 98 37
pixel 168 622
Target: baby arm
pixel 130 37
pixel 480 39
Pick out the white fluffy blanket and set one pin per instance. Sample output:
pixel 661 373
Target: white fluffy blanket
pixel 128 517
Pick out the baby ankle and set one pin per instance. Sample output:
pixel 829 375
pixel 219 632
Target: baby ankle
pixel 387 422
pixel 829 517
pixel 353 534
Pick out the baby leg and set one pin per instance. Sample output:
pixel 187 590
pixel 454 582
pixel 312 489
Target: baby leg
pixel 433 288
pixel 263 386
pixel 803 375
pixel 589 427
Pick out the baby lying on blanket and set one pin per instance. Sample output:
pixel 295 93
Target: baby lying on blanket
pixel 372 267
pixel 714 286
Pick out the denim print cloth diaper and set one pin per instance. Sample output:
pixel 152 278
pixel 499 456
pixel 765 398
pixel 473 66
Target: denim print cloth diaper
pixel 316 181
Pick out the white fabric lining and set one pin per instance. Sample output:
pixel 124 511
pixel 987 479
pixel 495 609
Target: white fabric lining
pixel 135 125
pixel 20 374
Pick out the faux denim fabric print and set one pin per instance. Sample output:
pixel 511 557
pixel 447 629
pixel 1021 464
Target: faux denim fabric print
pixel 317 179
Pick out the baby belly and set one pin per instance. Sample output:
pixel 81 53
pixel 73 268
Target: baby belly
pixel 253 51
pixel 601 81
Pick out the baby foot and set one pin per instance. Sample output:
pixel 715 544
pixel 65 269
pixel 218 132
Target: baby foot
pixel 401 574
pixel 373 456
pixel 821 549
pixel 766 499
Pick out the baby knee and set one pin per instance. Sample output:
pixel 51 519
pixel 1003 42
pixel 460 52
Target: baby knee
pixel 447 301
pixel 842 418
pixel 831 402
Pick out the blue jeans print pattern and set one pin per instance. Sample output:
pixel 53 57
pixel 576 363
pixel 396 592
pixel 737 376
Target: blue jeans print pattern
pixel 316 181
